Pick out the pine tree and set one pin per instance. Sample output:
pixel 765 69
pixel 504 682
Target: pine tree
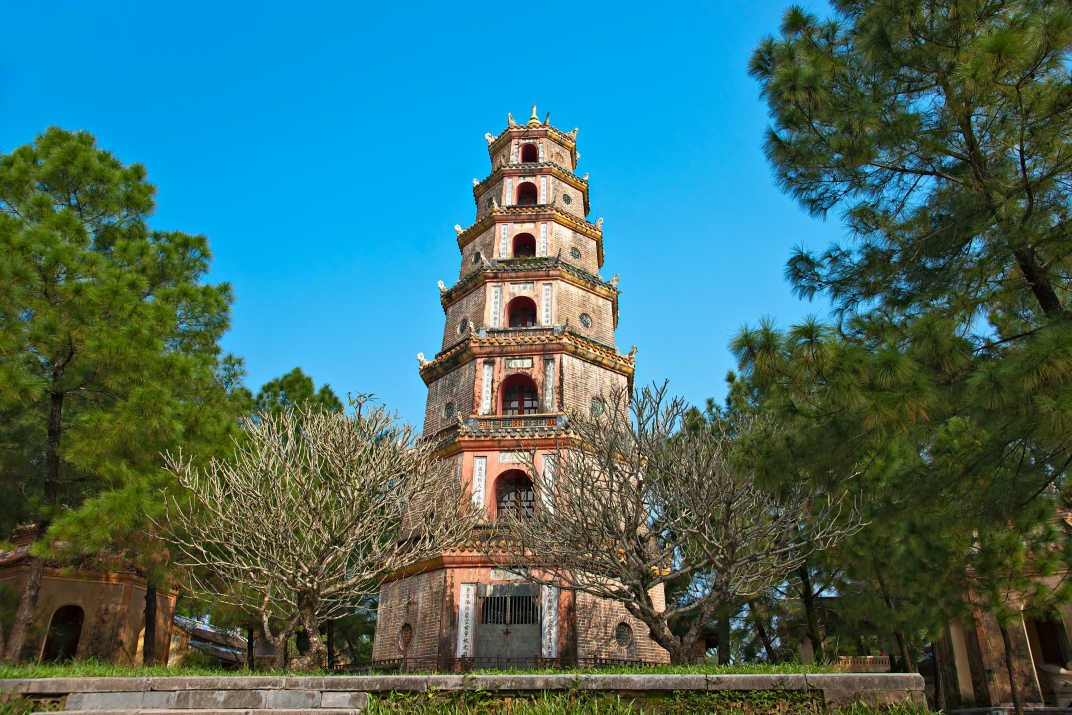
pixel 294 389
pixel 942 133
pixel 108 347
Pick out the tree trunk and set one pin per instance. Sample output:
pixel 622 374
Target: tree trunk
pixel 148 646
pixel 330 628
pixel 317 655
pixel 762 630
pixel 1013 687
pixel 939 680
pixel 902 645
pixel 251 645
pixel 808 598
pixel 52 454
pixel 25 613
pixel 724 635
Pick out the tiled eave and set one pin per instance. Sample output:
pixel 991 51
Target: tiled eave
pixel 463 437
pixel 535 169
pixel 531 269
pixel 527 132
pixel 534 213
pixel 565 340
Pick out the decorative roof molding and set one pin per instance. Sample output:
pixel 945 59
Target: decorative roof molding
pixel 568 140
pixel 542 265
pixel 534 168
pixel 488 343
pixel 534 213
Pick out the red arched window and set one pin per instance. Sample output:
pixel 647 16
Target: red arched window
pixel 529 153
pixel 521 312
pixel 514 496
pixel 527 194
pixel 519 396
pixel 524 245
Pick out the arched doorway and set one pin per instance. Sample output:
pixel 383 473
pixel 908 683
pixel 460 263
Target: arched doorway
pixel 515 497
pixel 63 632
pixel 524 245
pixel 530 153
pixel 521 312
pixel 519 396
pixel 527 194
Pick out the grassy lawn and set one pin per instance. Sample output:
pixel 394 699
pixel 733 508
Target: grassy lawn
pixel 98 669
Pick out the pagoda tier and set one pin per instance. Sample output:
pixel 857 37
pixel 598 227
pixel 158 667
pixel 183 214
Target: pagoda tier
pixel 528 339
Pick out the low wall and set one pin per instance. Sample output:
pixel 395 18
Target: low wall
pixel 349 693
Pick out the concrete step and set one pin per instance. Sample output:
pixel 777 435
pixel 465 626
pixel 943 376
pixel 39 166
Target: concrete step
pixel 203 701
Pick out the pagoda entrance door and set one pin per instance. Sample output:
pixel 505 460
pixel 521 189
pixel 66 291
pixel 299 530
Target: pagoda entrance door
pixel 508 625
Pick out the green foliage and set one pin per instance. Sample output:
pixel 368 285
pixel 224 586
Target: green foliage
pixel 108 338
pixel 295 389
pixel 109 351
pixel 942 132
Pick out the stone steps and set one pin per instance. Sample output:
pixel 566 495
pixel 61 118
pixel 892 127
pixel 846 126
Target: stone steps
pixel 175 695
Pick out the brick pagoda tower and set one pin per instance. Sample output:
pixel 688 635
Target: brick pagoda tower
pixel 529 336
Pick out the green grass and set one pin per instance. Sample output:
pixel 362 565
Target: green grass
pixel 99 669
pixel 784 702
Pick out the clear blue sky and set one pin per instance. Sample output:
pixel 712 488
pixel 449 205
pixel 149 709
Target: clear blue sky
pixel 326 150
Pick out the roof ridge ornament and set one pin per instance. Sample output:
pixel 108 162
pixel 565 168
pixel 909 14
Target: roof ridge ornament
pixel 510 120
pixel 534 121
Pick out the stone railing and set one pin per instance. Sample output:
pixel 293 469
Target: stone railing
pixel 863 663
pixel 547 422
pixel 518 332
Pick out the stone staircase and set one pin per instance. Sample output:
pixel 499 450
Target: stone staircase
pixel 326 695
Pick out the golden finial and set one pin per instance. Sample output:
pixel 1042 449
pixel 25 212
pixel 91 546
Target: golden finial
pixel 534 121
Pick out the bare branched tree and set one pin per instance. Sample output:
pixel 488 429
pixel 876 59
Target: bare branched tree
pixel 636 500
pixel 310 515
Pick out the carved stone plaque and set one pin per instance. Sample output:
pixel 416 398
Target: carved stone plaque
pixel 518 363
pixel 466 609
pixel 504 575
pixel 522 287
pixel 549 626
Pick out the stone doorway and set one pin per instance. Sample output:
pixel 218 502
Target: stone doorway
pixel 64 630
pixel 508 625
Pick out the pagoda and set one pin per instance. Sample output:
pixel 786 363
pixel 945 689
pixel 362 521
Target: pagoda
pixel 529 338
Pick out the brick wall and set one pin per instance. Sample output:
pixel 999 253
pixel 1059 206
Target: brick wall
pixel 573 301
pixel 565 239
pixel 484 244
pixel 597 623
pixel 492 190
pixel 581 381
pixel 417 601
pixel 470 307
pixel 558 188
pixel 456 387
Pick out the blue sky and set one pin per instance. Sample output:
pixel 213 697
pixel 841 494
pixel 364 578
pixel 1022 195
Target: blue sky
pixel 327 150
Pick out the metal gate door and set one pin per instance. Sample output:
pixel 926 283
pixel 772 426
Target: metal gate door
pixel 508 625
